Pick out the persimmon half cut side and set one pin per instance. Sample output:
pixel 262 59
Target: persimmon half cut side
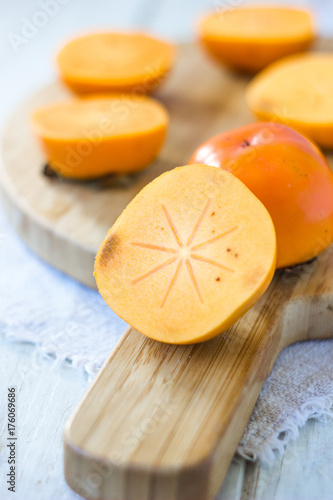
pixel 115 62
pixel 190 254
pixel 289 175
pixel 92 137
pixel 297 91
pixel 249 38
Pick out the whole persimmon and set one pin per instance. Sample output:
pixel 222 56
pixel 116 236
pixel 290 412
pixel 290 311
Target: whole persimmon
pixel 289 175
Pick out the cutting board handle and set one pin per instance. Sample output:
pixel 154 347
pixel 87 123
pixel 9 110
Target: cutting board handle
pixel 162 422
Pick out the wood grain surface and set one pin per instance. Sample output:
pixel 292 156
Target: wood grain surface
pixel 303 472
pixel 65 222
pixel 162 422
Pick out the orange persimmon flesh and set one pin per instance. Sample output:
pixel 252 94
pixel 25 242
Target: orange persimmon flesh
pixel 250 38
pixel 297 91
pixel 115 62
pixel 92 137
pixel 191 253
pixel 289 175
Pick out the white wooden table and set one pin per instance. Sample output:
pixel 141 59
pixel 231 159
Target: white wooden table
pixel 47 395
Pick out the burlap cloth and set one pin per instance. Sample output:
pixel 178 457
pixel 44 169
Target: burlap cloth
pixel 73 324
pixel 299 387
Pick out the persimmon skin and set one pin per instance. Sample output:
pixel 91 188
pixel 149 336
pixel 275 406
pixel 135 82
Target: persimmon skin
pixel 251 57
pixel 289 175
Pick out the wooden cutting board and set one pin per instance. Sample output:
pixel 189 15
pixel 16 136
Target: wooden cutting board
pixel 65 222
pixel 160 422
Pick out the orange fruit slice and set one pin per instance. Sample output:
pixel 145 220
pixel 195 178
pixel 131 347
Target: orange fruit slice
pixel 250 38
pixel 92 137
pixel 297 91
pixel 115 62
pixel 191 253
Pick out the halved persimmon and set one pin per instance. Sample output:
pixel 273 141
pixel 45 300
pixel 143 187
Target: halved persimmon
pixel 95 136
pixel 190 254
pixel 297 91
pixel 289 175
pixel 251 37
pixel 115 62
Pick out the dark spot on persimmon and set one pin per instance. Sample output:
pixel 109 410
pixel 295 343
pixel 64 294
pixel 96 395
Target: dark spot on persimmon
pixel 214 231
pixel 217 279
pixel 213 213
pixel 228 249
pixel 246 143
pixel 109 249
pixel 49 172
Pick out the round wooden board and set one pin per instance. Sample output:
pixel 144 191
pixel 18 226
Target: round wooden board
pixel 64 222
